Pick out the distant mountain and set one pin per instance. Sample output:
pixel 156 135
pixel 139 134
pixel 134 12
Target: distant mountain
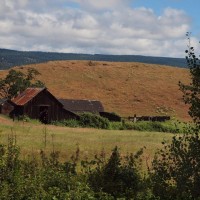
pixel 10 58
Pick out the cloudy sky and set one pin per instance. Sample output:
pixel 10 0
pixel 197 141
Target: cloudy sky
pixel 139 27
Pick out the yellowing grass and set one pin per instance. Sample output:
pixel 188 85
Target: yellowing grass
pixel 32 138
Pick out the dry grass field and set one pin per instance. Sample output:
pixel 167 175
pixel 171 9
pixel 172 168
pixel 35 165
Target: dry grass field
pixel 123 88
pixel 33 137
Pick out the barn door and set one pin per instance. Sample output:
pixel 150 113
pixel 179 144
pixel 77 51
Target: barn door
pixel 44 114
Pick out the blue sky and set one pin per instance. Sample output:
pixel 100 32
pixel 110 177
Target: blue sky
pixel 191 7
pixel 137 27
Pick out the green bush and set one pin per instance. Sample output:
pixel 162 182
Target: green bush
pixel 68 123
pixel 171 126
pixel 86 120
pixel 94 121
pixel 46 178
pixel 175 172
pixel 72 123
pixel 116 176
pixel 116 126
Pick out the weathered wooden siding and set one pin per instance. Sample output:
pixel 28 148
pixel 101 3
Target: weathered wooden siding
pixel 45 99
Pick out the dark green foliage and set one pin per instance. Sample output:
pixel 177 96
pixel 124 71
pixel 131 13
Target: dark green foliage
pixel 175 172
pixel 116 176
pixel 176 168
pixel 68 123
pixel 113 117
pixel 17 81
pixel 169 127
pixel 15 181
pixel 86 120
pixel 94 121
pixel 191 92
pixel 46 178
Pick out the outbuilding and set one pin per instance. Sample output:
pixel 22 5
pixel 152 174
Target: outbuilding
pixel 82 105
pixel 6 106
pixel 39 103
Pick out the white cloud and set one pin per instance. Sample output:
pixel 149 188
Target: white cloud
pixel 102 4
pixel 109 27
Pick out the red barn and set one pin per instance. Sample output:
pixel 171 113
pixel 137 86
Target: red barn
pixel 39 103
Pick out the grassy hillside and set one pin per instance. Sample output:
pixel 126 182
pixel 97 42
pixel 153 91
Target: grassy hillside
pixel 124 88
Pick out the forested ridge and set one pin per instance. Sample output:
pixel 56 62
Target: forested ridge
pixel 10 58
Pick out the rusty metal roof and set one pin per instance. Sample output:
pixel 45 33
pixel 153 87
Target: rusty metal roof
pixel 26 96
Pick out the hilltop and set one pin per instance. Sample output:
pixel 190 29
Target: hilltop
pixel 124 88
pixel 11 58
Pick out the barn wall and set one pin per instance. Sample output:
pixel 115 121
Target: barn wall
pixel 55 109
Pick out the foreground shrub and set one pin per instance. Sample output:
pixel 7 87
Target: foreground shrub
pixel 44 179
pixel 175 170
pixel 94 121
pixel 116 176
pixel 48 178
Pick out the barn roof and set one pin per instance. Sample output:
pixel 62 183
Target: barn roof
pixel 26 96
pixel 82 105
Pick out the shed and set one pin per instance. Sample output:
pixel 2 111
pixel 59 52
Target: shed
pixel 39 103
pixel 81 106
pixel 5 106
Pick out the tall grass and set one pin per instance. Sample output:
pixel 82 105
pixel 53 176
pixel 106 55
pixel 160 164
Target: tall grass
pixel 48 178
pixel 33 137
